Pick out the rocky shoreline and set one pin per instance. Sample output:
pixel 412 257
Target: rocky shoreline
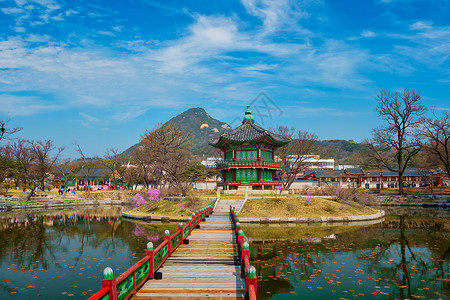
pixel 344 219
pixel 413 200
pixel 59 204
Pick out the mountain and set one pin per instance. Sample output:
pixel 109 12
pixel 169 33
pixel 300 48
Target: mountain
pixel 340 149
pixel 199 125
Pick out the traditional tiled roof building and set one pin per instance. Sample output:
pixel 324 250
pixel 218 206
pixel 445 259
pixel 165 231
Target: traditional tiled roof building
pixel 248 153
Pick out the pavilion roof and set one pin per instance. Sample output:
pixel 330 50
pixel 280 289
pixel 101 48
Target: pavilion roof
pixel 248 132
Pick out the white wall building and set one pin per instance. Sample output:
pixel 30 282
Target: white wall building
pixel 315 162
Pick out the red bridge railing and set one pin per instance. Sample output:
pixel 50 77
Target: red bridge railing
pixel 247 271
pixel 127 284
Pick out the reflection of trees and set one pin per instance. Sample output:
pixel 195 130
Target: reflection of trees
pixel 29 246
pixel 33 241
pixel 399 253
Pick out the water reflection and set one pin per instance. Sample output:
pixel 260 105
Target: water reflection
pixel 63 253
pixel 402 257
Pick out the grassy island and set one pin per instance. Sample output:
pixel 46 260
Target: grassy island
pixel 266 207
pixel 169 208
pixel 297 206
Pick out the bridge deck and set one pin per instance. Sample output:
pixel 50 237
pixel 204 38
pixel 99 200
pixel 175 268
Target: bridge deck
pixel 207 267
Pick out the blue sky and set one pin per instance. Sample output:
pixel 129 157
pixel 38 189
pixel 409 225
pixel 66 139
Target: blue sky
pixel 102 72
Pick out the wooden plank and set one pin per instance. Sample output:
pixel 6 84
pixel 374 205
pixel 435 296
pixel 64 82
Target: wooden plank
pixel 207 267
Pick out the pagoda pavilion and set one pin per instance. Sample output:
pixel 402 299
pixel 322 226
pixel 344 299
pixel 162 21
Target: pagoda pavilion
pixel 248 153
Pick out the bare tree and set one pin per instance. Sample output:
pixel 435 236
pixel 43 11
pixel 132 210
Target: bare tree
pixel 110 160
pixel 43 161
pixel 437 134
pixel 167 149
pixel 87 170
pixel 5 131
pixel 20 151
pixel 401 114
pixel 294 154
pixel 142 159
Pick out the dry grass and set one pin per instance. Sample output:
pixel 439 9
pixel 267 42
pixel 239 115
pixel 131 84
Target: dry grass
pixel 294 206
pixel 170 208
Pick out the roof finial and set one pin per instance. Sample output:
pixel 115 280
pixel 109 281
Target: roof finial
pixel 248 118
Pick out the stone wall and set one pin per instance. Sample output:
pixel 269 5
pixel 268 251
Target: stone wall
pixel 442 200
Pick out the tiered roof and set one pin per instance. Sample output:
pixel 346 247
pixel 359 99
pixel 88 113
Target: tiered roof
pixel 249 132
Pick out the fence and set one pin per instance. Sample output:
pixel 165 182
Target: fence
pixel 127 284
pixel 247 271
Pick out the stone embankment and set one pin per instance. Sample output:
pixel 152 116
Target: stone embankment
pixel 413 200
pixel 343 219
pixel 55 202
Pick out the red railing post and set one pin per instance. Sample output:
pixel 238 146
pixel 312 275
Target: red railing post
pixel 151 260
pixel 109 281
pixel 189 221
pixel 245 253
pixel 180 231
pixel 167 238
pixel 240 240
pixel 250 283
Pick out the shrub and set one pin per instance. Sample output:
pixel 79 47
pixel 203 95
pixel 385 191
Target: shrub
pixel 149 199
pixel 343 193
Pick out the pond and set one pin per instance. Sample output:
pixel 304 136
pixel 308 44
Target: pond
pixel 57 254
pixel 405 256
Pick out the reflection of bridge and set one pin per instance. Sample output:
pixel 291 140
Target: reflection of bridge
pixel 207 265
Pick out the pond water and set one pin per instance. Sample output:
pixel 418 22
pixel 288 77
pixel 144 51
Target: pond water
pixel 57 254
pixel 404 257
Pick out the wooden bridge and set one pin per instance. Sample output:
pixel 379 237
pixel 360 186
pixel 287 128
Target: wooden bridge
pixel 211 261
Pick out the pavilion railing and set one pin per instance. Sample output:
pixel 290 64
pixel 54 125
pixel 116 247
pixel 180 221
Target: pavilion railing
pixel 250 183
pixel 248 272
pixel 127 284
pixel 249 164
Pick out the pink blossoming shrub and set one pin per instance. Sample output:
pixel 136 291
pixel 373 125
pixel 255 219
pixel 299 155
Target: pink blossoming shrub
pixel 138 200
pixel 153 194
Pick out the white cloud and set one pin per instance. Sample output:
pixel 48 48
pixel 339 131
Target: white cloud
pixel 88 120
pixel 58 17
pixel 70 12
pixel 368 33
pixel 19 29
pixel 12 10
pixel 275 14
pixel 37 38
pixel 107 33
pixel 427 44
pixel 421 25
pixel 13 105
pixel 125 116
